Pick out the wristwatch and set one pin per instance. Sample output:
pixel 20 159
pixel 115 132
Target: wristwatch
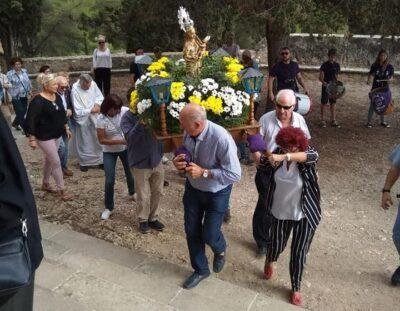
pixel 385 190
pixel 205 174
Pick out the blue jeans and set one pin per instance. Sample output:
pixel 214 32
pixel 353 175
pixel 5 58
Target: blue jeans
pixel 63 151
pixel 243 154
pixel 110 161
pixel 371 114
pixel 204 214
pixel 396 231
pixel 20 106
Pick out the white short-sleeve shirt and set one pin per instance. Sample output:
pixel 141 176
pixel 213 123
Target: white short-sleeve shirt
pixel 112 128
pixel 270 126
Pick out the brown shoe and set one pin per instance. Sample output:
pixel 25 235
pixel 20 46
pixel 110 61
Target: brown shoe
pixel 48 188
pixel 67 172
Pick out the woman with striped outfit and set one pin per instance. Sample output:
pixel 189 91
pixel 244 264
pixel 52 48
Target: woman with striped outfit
pixel 293 201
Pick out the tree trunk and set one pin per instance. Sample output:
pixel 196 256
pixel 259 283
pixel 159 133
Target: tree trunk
pixel 276 39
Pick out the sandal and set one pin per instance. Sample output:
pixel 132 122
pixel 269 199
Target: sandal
pixel 295 299
pixel 48 188
pixel 268 270
pixel 384 124
pixel 65 196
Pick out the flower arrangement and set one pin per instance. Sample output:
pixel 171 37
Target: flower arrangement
pixel 217 89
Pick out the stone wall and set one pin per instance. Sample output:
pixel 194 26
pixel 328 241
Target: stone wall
pixel 357 51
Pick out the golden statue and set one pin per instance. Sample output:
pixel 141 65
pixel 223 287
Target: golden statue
pixel 194 49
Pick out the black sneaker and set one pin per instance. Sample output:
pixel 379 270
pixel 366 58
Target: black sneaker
pixel 218 263
pixel 384 124
pixel 144 227
pixel 396 277
pixel 83 168
pixel 156 225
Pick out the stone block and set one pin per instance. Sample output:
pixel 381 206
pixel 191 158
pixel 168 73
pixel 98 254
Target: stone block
pixel 102 295
pixel 263 303
pixel 213 294
pixel 50 276
pixel 49 229
pixel 52 250
pixel 47 300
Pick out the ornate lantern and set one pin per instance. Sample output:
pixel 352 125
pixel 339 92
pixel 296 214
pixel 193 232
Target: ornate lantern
pixel 160 91
pixel 252 81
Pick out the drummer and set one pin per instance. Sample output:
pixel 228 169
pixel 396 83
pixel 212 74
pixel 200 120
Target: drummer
pixel 382 72
pixel 329 72
pixel 287 73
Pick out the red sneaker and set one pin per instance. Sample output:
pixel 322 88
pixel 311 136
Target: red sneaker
pixel 268 271
pixel 296 299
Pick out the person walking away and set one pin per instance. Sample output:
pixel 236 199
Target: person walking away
pixel 4 97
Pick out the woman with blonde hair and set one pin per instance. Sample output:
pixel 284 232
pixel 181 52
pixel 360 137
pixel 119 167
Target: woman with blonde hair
pixel 102 64
pixel 45 123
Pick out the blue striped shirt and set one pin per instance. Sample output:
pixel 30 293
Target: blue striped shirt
pixel 214 149
pixel 20 84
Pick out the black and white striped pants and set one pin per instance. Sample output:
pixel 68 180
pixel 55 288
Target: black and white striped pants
pixel 301 241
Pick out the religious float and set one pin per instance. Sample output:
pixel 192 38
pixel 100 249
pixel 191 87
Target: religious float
pixel 218 83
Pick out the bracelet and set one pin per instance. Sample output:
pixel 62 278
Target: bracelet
pixel 385 190
pixel 288 157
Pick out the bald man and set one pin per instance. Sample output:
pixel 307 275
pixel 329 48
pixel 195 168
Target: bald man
pixel 212 169
pixel 65 94
pixel 271 123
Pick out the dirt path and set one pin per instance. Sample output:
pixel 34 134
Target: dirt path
pixel 352 256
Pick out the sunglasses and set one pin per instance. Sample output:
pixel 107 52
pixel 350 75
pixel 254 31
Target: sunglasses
pixel 285 53
pixel 283 107
pixel 101 42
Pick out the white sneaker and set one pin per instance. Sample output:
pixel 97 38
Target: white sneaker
pixel 106 214
pixel 133 197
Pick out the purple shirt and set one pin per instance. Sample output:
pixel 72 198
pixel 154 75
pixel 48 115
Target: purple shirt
pixel 285 75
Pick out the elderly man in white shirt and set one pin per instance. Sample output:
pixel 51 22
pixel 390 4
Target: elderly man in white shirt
pixel 271 122
pixel 86 101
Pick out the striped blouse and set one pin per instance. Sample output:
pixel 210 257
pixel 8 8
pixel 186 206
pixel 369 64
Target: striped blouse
pixel 310 199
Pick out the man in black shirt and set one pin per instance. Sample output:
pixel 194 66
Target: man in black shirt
pixel 329 72
pixel 287 73
pixel 136 70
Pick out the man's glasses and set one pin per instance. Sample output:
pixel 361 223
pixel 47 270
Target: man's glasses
pixel 101 42
pixel 284 53
pixel 282 107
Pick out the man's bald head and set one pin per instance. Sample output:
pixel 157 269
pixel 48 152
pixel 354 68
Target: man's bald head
pixel 62 84
pixel 193 118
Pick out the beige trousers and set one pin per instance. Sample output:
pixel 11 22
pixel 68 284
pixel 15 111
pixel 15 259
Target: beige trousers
pixel 149 185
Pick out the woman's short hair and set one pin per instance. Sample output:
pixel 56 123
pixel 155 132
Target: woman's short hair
pixel 332 52
pixel 43 79
pixel 110 101
pixel 16 60
pixel 289 137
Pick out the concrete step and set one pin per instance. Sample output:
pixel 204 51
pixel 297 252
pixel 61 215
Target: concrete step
pixel 81 272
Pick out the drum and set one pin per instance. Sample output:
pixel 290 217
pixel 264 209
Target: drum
pixel 303 104
pixel 335 89
pixel 381 98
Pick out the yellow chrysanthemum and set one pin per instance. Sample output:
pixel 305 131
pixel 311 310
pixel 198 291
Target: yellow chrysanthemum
pixel 156 66
pixel 233 77
pixel 214 104
pixel 205 53
pixel 163 60
pixel 195 99
pixel 133 101
pixel 233 67
pixel 177 89
pixel 163 74
pixel 229 60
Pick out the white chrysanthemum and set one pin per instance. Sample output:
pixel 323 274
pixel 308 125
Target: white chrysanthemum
pixel 190 88
pixel 227 109
pixel 214 93
pixel 197 93
pixel 204 90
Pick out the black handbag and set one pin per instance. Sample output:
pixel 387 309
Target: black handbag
pixel 15 263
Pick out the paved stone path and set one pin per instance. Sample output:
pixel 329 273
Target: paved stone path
pixel 82 273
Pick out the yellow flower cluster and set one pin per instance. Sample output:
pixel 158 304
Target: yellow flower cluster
pixel 212 103
pixel 133 101
pixel 157 68
pixel 233 67
pixel 177 89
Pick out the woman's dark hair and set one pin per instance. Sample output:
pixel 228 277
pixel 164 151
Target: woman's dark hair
pixel 15 60
pixel 111 101
pixel 292 137
pixel 378 62
pixel 43 68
